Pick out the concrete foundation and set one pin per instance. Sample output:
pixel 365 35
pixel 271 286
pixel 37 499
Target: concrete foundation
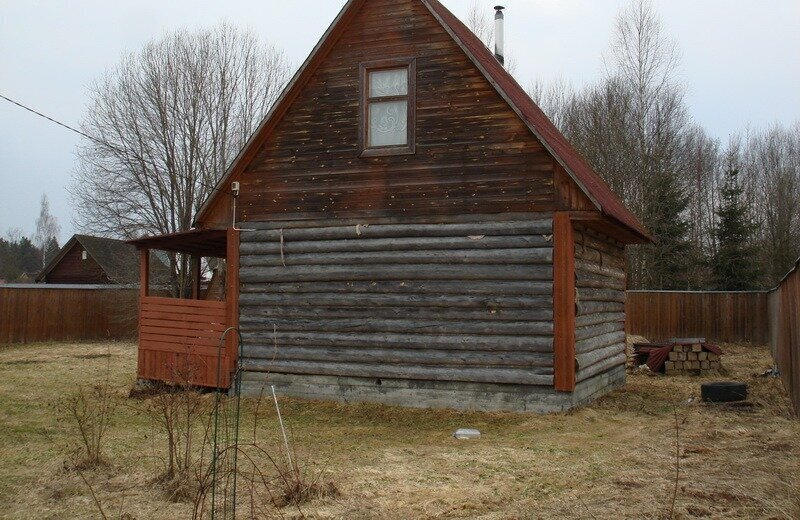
pixel 434 394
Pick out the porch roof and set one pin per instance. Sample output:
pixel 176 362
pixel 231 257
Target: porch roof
pixel 201 242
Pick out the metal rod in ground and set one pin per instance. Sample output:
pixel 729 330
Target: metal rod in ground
pixel 283 430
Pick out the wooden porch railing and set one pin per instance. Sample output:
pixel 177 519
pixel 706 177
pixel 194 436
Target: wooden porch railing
pixel 179 341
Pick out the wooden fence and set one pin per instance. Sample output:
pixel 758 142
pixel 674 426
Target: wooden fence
pixel 768 317
pixel 784 332
pixel 733 316
pixel 31 313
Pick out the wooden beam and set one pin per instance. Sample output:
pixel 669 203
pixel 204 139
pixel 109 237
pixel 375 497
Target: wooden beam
pixel 144 289
pixel 196 273
pixel 144 272
pixel 232 295
pixel 564 302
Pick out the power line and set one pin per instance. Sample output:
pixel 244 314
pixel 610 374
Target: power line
pixel 99 141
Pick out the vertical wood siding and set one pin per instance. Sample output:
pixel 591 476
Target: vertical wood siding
pixel 443 302
pixel 718 316
pixel 29 315
pixel 473 153
pixel 784 305
pixel 600 303
pixel 760 317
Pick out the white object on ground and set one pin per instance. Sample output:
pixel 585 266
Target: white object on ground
pixel 466 433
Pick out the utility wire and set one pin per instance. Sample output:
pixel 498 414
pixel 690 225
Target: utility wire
pixel 99 141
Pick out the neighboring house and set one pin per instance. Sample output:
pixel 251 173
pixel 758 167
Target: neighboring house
pixel 93 260
pixel 411 229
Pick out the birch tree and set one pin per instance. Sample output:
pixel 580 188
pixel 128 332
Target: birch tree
pixel 47 229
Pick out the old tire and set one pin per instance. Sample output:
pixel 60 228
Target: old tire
pixel 724 392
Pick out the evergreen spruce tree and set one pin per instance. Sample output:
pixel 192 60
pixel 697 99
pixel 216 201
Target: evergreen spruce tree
pixel 51 250
pixel 735 266
pixel 668 262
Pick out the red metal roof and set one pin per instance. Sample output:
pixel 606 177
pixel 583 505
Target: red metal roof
pixel 537 120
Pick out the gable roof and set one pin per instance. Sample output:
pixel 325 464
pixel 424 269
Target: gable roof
pixel 118 259
pixel 537 121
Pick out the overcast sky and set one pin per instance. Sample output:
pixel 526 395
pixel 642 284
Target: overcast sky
pixel 740 62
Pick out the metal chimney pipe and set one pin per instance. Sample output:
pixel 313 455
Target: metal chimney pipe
pixel 499 35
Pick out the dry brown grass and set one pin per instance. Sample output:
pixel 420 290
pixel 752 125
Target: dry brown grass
pixel 614 459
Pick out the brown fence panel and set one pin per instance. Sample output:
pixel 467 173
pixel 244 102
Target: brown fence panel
pixel 718 316
pixel 785 333
pixel 760 317
pixel 30 314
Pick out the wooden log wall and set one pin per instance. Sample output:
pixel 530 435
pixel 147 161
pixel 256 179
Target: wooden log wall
pixel 469 301
pixel 599 302
pixel 718 316
pixel 31 314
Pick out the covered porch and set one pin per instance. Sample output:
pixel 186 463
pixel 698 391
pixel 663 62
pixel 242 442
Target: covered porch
pixel 179 338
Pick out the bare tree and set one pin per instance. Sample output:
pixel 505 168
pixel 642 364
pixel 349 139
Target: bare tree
pixel 556 99
pixel 168 121
pixel 770 161
pixel 634 128
pixel 47 229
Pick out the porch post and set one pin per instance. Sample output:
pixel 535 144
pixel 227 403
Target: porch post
pixel 196 277
pixel 232 294
pixel 144 291
pixel 144 273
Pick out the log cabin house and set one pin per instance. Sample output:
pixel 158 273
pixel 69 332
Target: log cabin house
pixel 410 228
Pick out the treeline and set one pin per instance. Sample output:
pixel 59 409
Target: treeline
pixel 20 259
pixel 726 216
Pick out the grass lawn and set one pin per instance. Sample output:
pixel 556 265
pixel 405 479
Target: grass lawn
pixel 614 459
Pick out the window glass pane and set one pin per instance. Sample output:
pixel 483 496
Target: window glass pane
pixel 388 83
pixel 388 123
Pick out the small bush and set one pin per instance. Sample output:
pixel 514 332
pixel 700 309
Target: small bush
pixel 90 411
pixel 297 487
pixel 181 412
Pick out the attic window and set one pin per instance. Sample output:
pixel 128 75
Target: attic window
pixel 387 108
pixel 84 255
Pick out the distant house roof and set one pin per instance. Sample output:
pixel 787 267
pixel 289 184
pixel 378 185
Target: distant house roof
pixel 118 259
pixel 540 125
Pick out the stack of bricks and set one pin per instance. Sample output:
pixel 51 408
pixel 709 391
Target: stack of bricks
pixel 691 359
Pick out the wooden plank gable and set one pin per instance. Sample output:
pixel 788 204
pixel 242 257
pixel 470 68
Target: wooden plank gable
pixel 473 153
